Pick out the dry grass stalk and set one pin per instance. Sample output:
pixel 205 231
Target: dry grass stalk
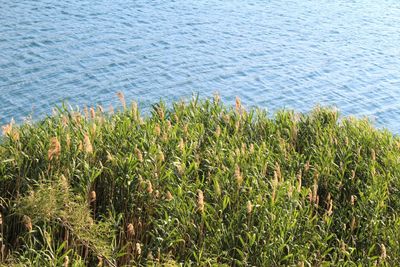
pixel 55 148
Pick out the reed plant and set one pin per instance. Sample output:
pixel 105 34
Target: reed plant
pixel 199 183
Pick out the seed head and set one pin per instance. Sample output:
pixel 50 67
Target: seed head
pixel 200 200
pixel 121 98
pixel 86 112
pixel 251 150
pixel 157 130
pixel 249 207
pixel 238 175
pixel 169 196
pixel 238 104
pixel 66 261
pixel 217 98
pixel 138 248
pixel 160 112
pixel 55 148
pixel 1 219
pixel 92 196
pixel 100 259
pixel 383 252
pixel 130 230
pixel 161 156
pixel 87 144
pixel 218 131
pixel 111 109
pixel 181 145
pixel 353 199
pixel 139 154
pixel 7 128
pixel 92 113
pixel 149 188
pixel 299 181
pixel 353 174
pixel 307 166
pixel 26 220
pixel 373 155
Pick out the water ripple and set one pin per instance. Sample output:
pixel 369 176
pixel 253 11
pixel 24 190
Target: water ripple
pixel 273 54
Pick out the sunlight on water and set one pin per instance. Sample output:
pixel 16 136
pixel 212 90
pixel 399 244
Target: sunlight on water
pixel 273 54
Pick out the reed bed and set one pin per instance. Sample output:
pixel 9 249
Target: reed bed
pixel 199 183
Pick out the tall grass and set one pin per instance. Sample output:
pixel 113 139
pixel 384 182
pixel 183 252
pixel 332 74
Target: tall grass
pixel 199 183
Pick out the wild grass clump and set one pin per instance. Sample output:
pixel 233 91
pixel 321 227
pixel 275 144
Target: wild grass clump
pixel 199 183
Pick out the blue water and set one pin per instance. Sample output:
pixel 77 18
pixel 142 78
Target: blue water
pixel 272 54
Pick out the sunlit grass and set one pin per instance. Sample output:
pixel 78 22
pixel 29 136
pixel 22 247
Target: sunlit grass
pixel 199 183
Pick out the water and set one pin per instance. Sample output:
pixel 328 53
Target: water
pixel 272 54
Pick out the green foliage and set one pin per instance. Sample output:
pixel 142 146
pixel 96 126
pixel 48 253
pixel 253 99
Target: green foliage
pixel 199 183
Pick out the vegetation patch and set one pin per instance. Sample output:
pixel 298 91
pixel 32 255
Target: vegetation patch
pixel 199 183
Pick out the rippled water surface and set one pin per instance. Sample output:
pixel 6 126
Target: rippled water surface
pixel 273 54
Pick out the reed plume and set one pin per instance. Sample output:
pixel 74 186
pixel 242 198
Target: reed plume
pixel 121 98
pixel 130 230
pixel 249 207
pixel 138 249
pixel 149 188
pixel 169 196
pixel 238 104
pixel 55 148
pixel 92 113
pixel 383 252
pixel 26 220
pixel 92 196
pixel 87 144
pixel 66 261
pixel 139 154
pixel 238 176
pixel 200 200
